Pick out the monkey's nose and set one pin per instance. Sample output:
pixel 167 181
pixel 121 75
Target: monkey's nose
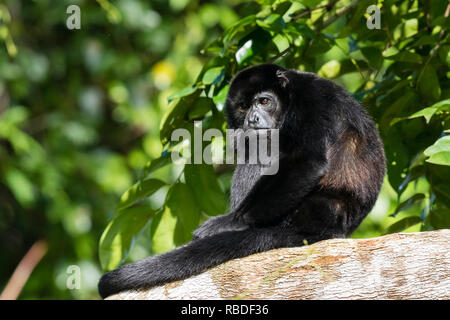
pixel 253 119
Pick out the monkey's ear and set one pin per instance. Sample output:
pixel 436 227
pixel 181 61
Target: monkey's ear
pixel 282 77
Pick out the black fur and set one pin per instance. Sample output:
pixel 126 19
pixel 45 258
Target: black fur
pixel 331 169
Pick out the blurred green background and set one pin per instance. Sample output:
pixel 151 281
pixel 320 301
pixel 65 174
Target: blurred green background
pixel 81 113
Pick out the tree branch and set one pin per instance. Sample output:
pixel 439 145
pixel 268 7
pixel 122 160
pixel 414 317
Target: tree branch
pixel 344 11
pixel 23 270
pixel 395 266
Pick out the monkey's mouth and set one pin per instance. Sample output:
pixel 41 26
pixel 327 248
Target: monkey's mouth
pixel 256 127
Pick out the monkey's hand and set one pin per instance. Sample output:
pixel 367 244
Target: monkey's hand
pixel 218 225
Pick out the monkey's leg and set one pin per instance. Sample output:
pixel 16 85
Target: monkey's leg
pixel 219 224
pixel 195 257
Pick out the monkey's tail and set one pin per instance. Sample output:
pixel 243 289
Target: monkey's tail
pixel 195 257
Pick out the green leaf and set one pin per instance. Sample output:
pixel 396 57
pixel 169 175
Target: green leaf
pixel 403 224
pixel 413 174
pixel 182 93
pixel 439 218
pixel 310 3
pixel 439 152
pixel 390 52
pixel 352 65
pixel 181 202
pixel 281 42
pixel 405 101
pixel 203 181
pixel 174 118
pixel 425 40
pixel 441 145
pixel 162 231
pixel 14 116
pixel 441 21
pixel 412 201
pixel 429 86
pixel 200 107
pixel 330 69
pixel 174 225
pixel 118 237
pixel 444 104
pixel 442 189
pixel 157 163
pixel 442 158
pixel 273 22
pixel 318 46
pixel 239 30
pixel 138 191
pixel 410 28
pixel 214 75
pixel 245 52
pixel 221 97
pixel 20 186
pixel 427 113
pixel 406 56
pixel 373 55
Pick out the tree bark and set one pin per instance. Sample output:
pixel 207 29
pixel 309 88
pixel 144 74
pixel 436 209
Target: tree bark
pixel 396 266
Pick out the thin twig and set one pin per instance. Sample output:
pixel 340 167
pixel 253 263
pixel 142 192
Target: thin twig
pixel 282 53
pixel 23 270
pixel 332 19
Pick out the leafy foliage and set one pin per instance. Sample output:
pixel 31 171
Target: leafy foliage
pixel 400 79
pixel 79 115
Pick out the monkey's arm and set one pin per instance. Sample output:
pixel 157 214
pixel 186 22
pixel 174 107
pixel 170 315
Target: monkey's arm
pixel 195 257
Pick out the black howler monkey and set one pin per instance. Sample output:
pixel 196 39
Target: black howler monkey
pixel 331 169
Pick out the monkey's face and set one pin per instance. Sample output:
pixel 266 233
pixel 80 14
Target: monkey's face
pixel 256 98
pixel 263 112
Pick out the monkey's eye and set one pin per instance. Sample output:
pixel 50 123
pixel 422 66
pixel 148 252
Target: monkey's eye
pixel 263 101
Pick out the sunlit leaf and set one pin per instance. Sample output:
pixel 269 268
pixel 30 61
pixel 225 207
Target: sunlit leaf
pixel 174 226
pixel 118 237
pixel 213 75
pixel 244 52
pixel 439 152
pixel 182 93
pixel 442 158
pixel 330 69
pixel 155 164
pixel 219 99
pixel 138 191
pixel 162 231
pixel 273 22
pixel 427 113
